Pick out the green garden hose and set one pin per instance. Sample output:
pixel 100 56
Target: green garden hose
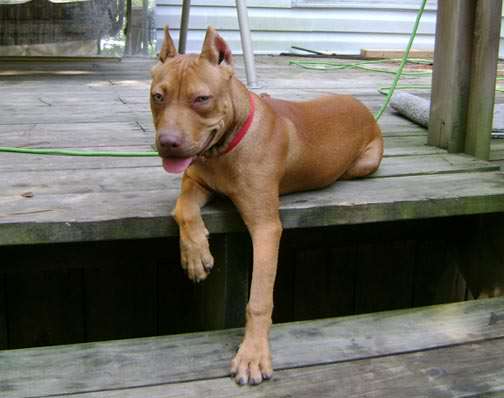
pixel 76 152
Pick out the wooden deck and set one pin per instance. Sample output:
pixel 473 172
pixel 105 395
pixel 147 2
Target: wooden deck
pixel 70 273
pixel 453 350
pixel 104 106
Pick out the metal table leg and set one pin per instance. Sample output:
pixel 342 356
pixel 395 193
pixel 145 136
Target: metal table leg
pixel 184 24
pixel 248 53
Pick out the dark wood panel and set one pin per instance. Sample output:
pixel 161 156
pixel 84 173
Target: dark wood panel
pixel 384 276
pixel 45 307
pixel 430 272
pixel 283 295
pixel 310 276
pixel 341 280
pixel 179 310
pixel 121 294
pixel 3 314
pixel 480 256
pixel 224 294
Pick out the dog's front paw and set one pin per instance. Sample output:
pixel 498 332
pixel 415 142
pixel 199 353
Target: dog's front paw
pixel 196 258
pixel 252 363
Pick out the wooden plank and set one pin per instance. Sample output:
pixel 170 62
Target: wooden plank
pixel 85 177
pixel 114 112
pixel 60 58
pixel 485 56
pixel 380 54
pixel 135 179
pixel 438 373
pixel 430 164
pixel 142 175
pixel 75 135
pixel 451 74
pixel 127 215
pixel 143 362
pixel 409 146
pixel 395 146
pixel 117 134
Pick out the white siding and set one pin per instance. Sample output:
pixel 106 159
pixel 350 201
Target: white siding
pixel 341 26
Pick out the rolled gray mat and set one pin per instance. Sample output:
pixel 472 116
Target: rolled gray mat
pixel 417 109
pixel 412 107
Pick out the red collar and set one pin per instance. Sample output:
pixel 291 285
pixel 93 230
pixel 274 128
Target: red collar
pixel 244 129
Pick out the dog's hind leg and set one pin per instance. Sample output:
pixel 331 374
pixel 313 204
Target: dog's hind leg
pixel 368 162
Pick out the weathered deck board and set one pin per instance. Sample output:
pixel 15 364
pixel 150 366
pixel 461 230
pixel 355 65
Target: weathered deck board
pixel 141 175
pixel 438 373
pixel 134 214
pixel 112 112
pixel 343 345
pixel 120 134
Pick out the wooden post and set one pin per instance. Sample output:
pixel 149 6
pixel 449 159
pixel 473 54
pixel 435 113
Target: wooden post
pixel 451 74
pixel 464 73
pixel 485 56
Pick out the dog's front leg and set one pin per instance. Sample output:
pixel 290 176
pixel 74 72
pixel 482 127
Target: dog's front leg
pixel 252 363
pixel 195 254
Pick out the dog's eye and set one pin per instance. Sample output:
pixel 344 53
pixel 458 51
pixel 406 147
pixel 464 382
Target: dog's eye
pixel 157 98
pixel 202 99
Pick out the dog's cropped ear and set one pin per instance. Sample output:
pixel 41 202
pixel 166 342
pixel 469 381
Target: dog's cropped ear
pixel 168 49
pixel 215 49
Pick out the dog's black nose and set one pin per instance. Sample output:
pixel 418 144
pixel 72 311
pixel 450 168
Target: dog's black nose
pixel 170 141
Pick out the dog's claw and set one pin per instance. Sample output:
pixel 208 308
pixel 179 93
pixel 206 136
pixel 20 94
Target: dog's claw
pixel 255 382
pixel 208 264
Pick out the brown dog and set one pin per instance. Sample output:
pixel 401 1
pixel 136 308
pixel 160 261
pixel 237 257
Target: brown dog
pixel 251 149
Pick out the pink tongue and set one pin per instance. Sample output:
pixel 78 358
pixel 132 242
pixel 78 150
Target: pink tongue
pixel 176 165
